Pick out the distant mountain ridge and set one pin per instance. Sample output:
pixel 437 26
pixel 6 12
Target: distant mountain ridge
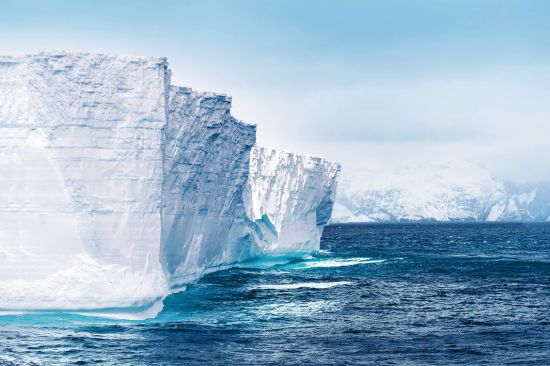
pixel 459 192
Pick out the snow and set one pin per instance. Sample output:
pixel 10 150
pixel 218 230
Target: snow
pixel 455 191
pixel 117 187
pixel 496 212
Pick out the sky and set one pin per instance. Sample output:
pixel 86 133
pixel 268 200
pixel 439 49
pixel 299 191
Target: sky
pixel 371 84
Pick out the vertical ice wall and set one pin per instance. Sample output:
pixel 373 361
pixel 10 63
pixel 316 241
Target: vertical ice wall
pixel 115 185
pixel 226 201
pixel 207 155
pixel 80 179
pixel 289 197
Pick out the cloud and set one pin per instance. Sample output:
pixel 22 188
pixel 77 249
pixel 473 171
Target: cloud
pixel 364 83
pixel 497 117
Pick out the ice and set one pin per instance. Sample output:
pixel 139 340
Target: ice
pixel 117 187
pixel 454 191
pixel 290 199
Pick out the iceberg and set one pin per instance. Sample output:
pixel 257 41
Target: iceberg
pixel 290 199
pixel 117 188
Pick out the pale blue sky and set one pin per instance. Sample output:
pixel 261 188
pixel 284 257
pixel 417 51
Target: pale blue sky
pixel 363 82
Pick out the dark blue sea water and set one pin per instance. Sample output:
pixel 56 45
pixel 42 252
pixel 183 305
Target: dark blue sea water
pixel 376 294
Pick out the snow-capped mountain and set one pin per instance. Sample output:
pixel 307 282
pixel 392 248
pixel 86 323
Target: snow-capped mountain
pixel 458 191
pixel 523 202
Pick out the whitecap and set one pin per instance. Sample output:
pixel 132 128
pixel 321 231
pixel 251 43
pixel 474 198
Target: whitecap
pixel 294 286
pixel 297 309
pixel 342 262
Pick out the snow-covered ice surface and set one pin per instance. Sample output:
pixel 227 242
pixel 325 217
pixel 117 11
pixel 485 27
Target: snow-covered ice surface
pixel 116 186
pixel 456 191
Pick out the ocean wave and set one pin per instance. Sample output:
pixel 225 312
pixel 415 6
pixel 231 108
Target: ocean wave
pixel 341 262
pixel 294 286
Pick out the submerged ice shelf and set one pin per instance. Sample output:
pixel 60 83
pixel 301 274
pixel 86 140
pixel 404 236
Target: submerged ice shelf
pixel 117 187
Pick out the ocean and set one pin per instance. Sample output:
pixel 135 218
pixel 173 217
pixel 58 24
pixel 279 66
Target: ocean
pixel 381 294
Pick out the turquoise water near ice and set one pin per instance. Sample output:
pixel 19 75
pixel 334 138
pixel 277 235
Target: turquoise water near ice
pixel 427 294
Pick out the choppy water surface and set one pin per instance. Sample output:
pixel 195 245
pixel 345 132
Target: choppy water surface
pixel 380 294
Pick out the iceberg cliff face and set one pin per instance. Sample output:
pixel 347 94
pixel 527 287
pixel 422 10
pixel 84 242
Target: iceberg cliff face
pixel 207 154
pixel 116 185
pixel 290 199
pixel 80 180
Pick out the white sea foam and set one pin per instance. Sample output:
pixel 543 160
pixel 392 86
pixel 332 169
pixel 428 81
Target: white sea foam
pixel 294 286
pixel 341 262
pixel 148 313
pixel 296 309
pixel 84 286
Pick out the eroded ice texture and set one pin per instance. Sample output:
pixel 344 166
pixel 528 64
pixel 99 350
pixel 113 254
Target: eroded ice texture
pixel 290 198
pixel 207 157
pixel 116 186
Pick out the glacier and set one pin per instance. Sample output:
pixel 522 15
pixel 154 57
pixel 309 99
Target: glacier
pixel 118 188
